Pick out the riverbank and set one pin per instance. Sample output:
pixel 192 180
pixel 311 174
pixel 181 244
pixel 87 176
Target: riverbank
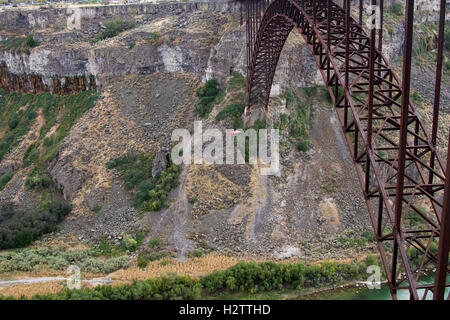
pixel 244 278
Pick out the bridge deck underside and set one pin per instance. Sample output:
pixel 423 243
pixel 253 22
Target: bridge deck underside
pixel 367 96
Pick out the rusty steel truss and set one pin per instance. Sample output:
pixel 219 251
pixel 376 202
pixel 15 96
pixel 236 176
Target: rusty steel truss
pixel 400 170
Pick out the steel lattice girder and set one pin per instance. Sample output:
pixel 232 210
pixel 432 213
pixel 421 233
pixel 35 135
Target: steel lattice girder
pixel 396 160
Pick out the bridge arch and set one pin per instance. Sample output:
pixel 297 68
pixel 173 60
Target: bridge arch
pixel 388 140
pixel 279 19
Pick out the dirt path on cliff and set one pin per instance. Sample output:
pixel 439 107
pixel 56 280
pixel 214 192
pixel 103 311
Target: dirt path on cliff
pixel 176 216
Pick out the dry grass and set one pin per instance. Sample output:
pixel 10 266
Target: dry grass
pixel 192 267
pixel 31 289
pixel 330 212
pixel 211 189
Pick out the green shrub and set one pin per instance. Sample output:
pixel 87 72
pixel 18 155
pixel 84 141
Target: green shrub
pixel 237 81
pixel 192 200
pixel 154 243
pixel 231 110
pixel 207 95
pixel 97 265
pixel 301 118
pixel 38 182
pixel 5 179
pixel 13 121
pixel 149 193
pixel 142 260
pixel 20 44
pixel 398 8
pixel 353 242
pixel 115 26
pixel 303 145
pixel 371 260
pixel 198 253
pixel 30 42
pixel 369 236
pixel 130 243
pixel 447 35
pixel 154 40
pixel 19 229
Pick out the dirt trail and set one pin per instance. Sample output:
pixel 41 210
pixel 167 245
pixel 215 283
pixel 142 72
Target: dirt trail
pixel 92 281
pixel 176 216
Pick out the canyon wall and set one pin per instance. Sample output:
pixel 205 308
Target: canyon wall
pixel 70 57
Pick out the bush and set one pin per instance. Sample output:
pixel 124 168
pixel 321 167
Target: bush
pixel 5 179
pixel 97 265
pixel 198 253
pixel 301 118
pixel 18 229
pixel 154 40
pixel 30 41
pixel 447 35
pixel 130 243
pixel 371 260
pixel 303 145
pixel 114 26
pixel 207 95
pixel 398 8
pixel 13 121
pixel 149 193
pixel 231 110
pixel 170 287
pixel 154 243
pixel 20 44
pixel 38 182
pixel 237 81
pixel 142 260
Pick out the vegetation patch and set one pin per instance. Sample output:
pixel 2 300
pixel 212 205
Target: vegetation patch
pixel 233 112
pixel 19 228
pixel 19 44
pixel 398 8
pixel 154 252
pixel 115 26
pixel 301 119
pixel 19 112
pixel 236 98
pixel 207 95
pixel 129 243
pixel 5 179
pixel 154 40
pixel 150 193
pixel 55 258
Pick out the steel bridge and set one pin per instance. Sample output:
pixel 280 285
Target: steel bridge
pixel 397 162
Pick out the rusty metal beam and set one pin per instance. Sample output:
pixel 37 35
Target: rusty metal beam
pixel 444 239
pixel 365 92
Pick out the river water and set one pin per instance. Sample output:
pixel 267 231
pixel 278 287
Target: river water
pixel 363 293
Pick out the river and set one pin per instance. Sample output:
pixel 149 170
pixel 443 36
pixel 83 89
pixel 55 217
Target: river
pixel 363 293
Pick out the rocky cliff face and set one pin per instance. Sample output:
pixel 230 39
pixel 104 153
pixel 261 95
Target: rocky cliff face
pixel 69 52
pixel 69 57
